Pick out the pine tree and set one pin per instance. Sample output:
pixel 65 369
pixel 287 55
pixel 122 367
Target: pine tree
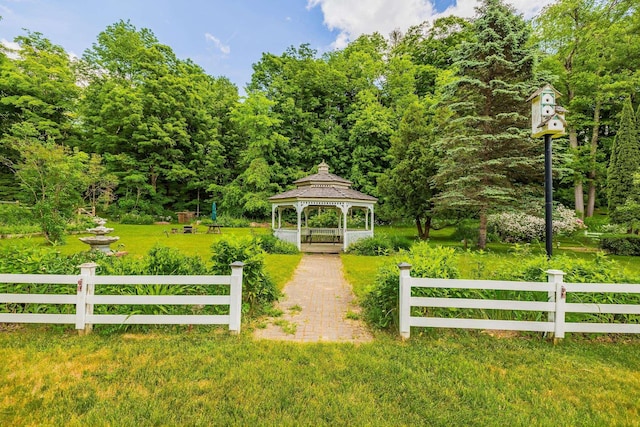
pixel 625 159
pixel 488 159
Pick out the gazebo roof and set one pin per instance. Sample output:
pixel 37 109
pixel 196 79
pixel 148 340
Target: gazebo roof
pixel 323 185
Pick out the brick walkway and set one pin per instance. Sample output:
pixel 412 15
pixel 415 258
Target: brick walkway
pixel 315 306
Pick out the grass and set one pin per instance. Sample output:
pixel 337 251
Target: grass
pixel 207 377
pixel 281 267
pixel 137 240
pixel 360 272
pixel 204 376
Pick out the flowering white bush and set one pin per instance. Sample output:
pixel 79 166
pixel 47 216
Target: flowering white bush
pixel 523 227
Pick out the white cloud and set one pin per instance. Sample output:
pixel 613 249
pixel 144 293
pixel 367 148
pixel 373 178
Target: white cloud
pixel 352 18
pixel 11 49
pixel 225 49
pixel 5 11
pixel 466 8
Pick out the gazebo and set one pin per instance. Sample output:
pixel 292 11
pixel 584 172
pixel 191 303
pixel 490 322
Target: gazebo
pixel 322 190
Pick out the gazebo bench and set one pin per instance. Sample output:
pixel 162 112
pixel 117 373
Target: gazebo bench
pixel 334 233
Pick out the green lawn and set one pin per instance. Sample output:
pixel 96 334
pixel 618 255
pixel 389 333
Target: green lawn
pixel 206 377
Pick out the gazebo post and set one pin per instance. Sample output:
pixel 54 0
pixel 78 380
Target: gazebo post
pixel 279 217
pixel 273 216
pixel 345 209
pixel 299 212
pixel 366 219
pixel 372 220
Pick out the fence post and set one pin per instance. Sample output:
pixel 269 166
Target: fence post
pixel 235 305
pixel 557 278
pixel 85 287
pixel 404 296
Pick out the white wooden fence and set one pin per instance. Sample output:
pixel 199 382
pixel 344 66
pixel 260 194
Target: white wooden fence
pixel 85 299
pixel 556 307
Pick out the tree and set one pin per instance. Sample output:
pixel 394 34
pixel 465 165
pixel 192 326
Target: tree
pixel 624 162
pixel 37 87
pixel 407 186
pixel 155 119
pixel 101 184
pixel 590 46
pixel 263 175
pixel 52 177
pixel 487 157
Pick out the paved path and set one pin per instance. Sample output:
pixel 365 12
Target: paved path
pixel 316 304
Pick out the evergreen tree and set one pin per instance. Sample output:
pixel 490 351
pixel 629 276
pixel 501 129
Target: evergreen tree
pixel 406 186
pixel 487 156
pixel 625 159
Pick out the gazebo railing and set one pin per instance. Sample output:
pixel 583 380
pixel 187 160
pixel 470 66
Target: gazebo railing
pixel 351 237
pixel 290 236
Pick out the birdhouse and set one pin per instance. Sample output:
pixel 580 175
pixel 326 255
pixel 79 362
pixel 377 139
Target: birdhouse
pixel 547 118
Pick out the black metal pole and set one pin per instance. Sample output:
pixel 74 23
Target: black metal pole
pixel 548 195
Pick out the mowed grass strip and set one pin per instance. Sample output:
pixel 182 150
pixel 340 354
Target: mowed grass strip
pixel 207 377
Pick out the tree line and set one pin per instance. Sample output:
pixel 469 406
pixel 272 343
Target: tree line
pixel 433 121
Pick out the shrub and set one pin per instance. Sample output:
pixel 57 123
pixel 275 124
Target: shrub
pixel 258 289
pixel 597 223
pixel 272 245
pixel 523 227
pixel 627 244
pixel 327 218
pixel 381 304
pixel 15 214
pixel 627 215
pixel 229 221
pixel 380 245
pixel 136 219
pixel 467 231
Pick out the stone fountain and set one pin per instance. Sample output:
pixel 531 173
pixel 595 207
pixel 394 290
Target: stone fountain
pixel 100 241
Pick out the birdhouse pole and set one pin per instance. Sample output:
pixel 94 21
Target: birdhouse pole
pixel 547 119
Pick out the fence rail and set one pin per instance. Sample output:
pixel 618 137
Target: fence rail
pixel 556 307
pixel 85 299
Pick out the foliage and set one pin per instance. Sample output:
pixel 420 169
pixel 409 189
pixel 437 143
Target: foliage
pixel 39 92
pixel 597 223
pixel 229 221
pixel 520 226
pixel 467 232
pixel 134 218
pixel 407 186
pixel 258 289
pixel 379 245
pixel 324 219
pixel 381 304
pixel 52 178
pixel 624 161
pixel 272 245
pixel 628 215
pixel 487 160
pixel 628 244
pixel 157 120
pixel 589 48
pixel 15 215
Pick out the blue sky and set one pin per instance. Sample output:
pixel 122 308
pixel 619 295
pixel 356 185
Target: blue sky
pixel 226 36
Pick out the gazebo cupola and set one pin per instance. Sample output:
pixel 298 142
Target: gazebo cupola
pixel 322 190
